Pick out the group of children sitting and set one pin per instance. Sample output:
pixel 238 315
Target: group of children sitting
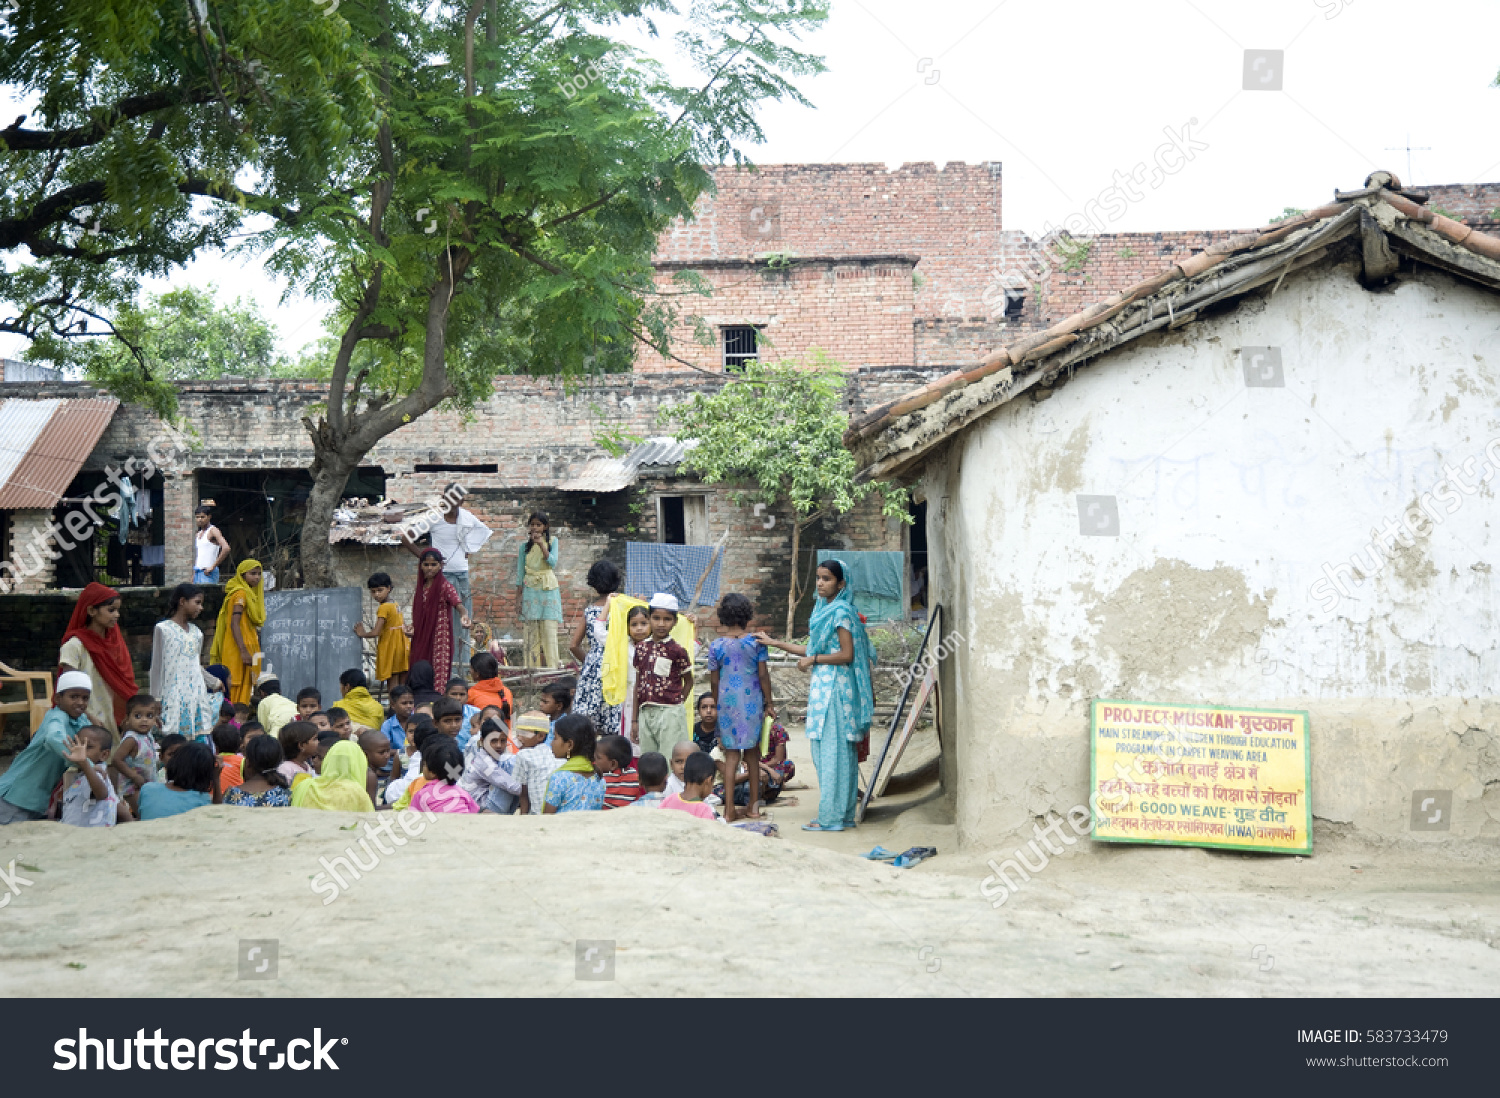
pixel 462 751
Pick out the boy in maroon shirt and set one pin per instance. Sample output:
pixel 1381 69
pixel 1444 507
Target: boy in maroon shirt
pixel 663 680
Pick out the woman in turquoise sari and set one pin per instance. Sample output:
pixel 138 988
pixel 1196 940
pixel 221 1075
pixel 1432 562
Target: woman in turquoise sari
pixel 841 697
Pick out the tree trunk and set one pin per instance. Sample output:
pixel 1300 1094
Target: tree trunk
pixel 791 591
pixel 330 471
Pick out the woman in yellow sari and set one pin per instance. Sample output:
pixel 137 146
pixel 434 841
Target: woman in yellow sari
pixel 237 632
pixel 340 785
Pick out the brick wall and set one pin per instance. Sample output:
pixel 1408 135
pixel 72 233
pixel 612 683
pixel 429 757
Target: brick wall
pixel 948 220
pixel 1474 204
pixel 858 312
pixel 41 619
pixel 26 544
pixel 537 434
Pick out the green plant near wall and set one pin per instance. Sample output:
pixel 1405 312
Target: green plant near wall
pixel 1075 253
pixel 1127 252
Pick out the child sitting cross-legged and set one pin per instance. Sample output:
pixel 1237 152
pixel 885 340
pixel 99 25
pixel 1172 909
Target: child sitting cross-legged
pixel 622 783
pixel 192 781
pixel 90 798
pixel 263 784
pixel 309 701
pixel 442 766
pixel 377 748
pixel 299 747
pixel 490 769
pixel 652 768
pixel 399 791
pixel 448 715
pixel 227 741
pixel 534 761
pixel 698 775
pixel 574 786
pixel 339 721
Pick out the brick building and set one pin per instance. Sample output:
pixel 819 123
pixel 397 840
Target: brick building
pixel 901 276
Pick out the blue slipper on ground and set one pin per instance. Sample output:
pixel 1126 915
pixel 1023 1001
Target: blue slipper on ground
pixel 915 855
pixel 881 854
pixel 815 826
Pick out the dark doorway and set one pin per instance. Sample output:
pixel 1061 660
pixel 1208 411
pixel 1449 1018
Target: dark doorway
pixel 916 560
pixel 673 524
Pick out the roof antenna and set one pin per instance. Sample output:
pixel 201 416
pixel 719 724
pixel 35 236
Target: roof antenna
pixel 1409 150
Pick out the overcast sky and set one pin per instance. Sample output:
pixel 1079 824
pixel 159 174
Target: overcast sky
pixel 1067 94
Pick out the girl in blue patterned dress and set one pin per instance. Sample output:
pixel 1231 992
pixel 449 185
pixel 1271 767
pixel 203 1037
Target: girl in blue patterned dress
pixel 264 785
pixel 740 680
pixel 588 646
pixel 575 786
pixel 840 698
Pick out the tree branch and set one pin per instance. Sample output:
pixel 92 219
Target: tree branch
pixel 580 212
pixel 77 137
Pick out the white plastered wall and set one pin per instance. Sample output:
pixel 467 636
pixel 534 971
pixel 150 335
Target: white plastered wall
pixel 1231 501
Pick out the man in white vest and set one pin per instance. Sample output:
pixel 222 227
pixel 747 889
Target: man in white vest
pixel 456 533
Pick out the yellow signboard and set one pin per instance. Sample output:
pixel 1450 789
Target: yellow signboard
pixel 1194 775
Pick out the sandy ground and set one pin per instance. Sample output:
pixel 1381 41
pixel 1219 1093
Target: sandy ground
pixel 498 906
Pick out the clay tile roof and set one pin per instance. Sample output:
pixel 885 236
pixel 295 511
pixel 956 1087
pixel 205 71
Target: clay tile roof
pixel 890 439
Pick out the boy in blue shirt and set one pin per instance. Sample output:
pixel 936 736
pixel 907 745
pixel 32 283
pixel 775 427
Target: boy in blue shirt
pixel 26 787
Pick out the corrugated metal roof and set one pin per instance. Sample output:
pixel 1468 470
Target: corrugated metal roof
pixel 659 451
pixel 43 444
pixel 617 474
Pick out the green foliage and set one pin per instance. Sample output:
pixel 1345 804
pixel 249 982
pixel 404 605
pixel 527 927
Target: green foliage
pixel 609 436
pixel 537 176
pixel 1127 252
pixel 775 432
pixel 140 122
pixel 1287 213
pixel 1440 211
pixel 1075 252
pixel 180 334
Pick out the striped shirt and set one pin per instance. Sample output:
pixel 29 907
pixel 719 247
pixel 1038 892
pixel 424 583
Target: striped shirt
pixel 621 787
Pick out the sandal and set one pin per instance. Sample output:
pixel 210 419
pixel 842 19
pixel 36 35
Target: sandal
pixel 815 826
pixel 881 854
pixel 914 856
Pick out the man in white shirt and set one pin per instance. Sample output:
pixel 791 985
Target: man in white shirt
pixel 457 534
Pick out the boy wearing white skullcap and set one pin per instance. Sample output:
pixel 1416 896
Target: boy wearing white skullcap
pixel 26 786
pixel 663 680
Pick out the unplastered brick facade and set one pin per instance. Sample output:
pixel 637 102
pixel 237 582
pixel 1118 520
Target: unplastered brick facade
pixel 858 312
pixel 836 228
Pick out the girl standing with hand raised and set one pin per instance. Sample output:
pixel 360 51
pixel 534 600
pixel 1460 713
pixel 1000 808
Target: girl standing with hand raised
pixel 538 597
pixel 840 698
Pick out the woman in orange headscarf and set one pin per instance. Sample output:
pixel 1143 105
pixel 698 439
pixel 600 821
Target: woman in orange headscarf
pixel 95 645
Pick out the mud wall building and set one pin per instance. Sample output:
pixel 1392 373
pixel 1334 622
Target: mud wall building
pixel 1135 513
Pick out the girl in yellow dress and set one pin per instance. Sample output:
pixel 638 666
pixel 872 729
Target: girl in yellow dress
pixel 392 646
pixel 237 632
